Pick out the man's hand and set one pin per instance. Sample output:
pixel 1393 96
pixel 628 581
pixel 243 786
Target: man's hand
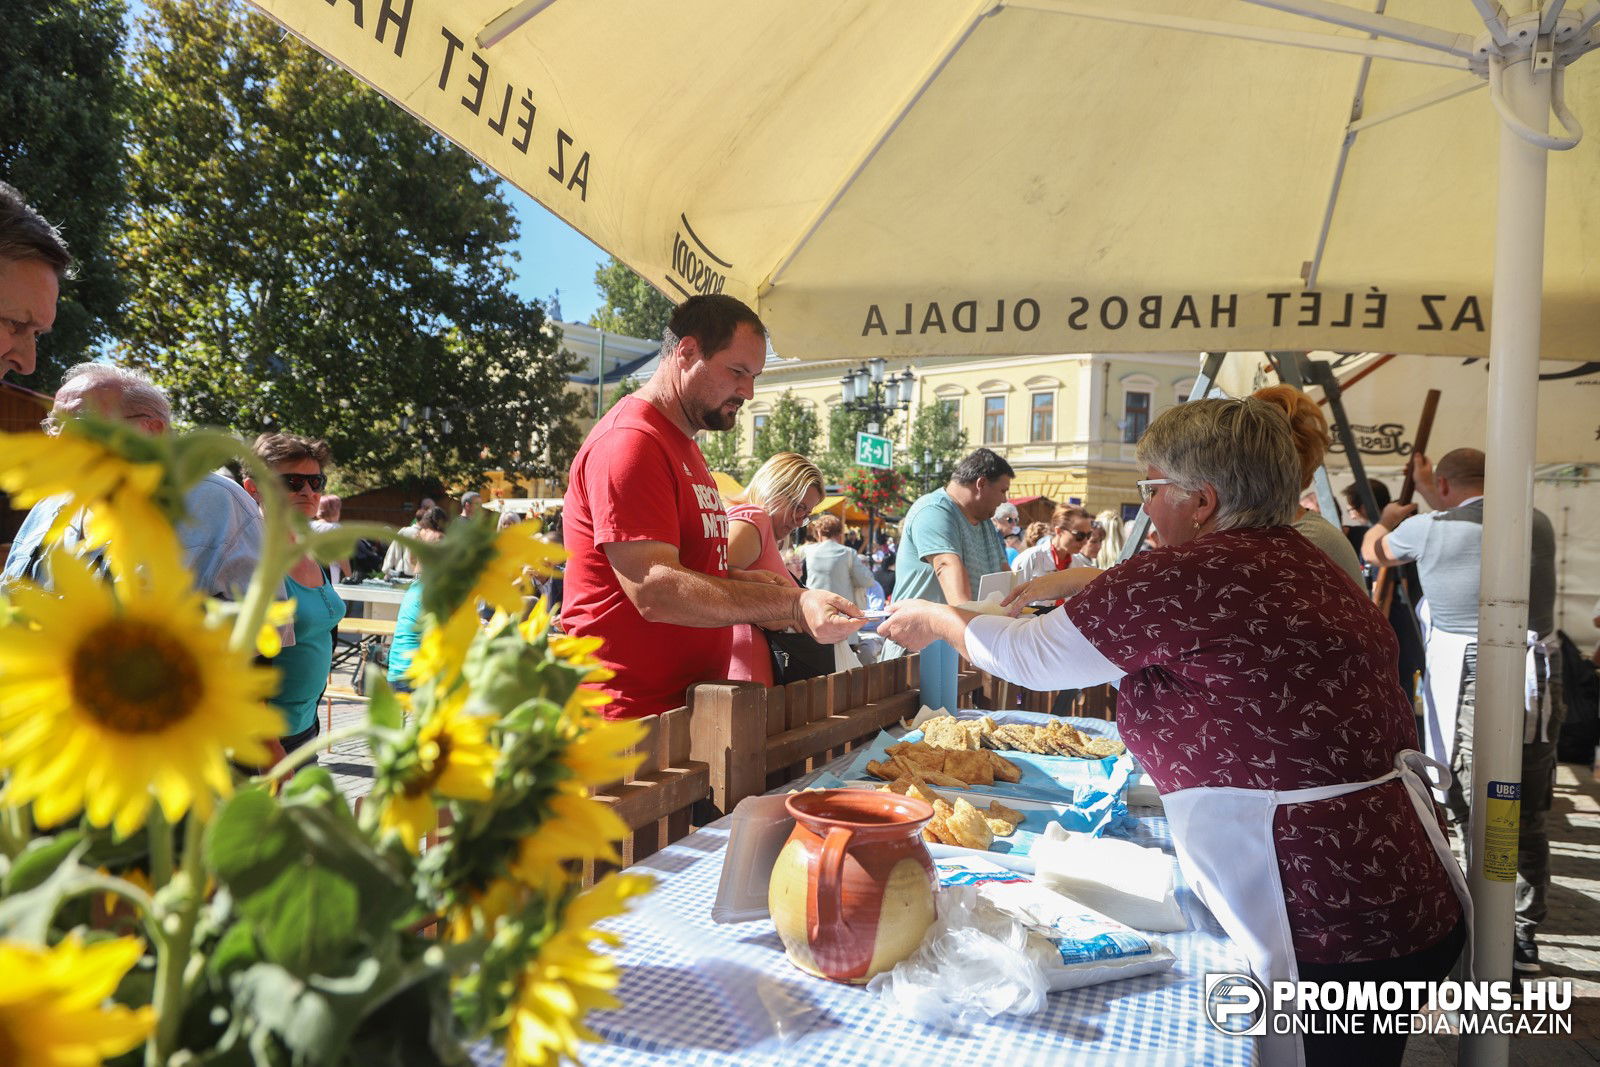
pixel 1057 585
pixel 826 616
pixel 916 624
pixel 758 576
pixel 1394 514
pixel 1422 477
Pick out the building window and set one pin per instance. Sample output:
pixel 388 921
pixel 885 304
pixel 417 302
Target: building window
pixel 758 426
pixel 1042 426
pixel 952 406
pixel 1135 416
pixel 994 420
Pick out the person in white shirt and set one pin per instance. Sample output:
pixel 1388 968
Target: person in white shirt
pixel 1070 528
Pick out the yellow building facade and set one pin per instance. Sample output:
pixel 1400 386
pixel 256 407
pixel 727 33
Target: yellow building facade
pixel 1066 423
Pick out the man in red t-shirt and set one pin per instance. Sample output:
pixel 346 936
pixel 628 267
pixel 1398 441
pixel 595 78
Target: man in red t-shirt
pixel 647 536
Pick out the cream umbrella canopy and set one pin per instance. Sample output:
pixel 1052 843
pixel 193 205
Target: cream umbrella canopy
pixel 906 177
pixel 909 176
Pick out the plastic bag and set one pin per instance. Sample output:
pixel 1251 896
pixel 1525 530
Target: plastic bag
pixel 1127 882
pixel 1001 943
pixel 975 962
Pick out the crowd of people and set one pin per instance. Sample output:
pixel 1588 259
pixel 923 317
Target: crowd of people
pixel 1259 686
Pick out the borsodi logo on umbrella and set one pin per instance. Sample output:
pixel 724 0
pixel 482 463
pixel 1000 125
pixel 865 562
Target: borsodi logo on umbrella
pixel 1240 1006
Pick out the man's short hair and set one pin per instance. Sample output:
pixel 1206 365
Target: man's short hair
pixel 981 463
pixel 711 321
pixel 278 448
pixel 1464 466
pixel 827 526
pixel 1065 514
pixel 138 395
pixel 24 233
pixel 1380 493
pixel 470 498
pixel 1007 513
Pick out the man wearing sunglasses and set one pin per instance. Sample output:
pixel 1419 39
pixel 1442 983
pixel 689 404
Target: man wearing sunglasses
pixel 1070 528
pixel 221 535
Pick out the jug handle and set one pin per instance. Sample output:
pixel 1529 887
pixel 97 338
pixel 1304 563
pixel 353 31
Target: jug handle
pixel 829 910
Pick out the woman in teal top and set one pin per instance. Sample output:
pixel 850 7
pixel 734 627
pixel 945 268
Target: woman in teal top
pixel 303 666
pixel 408 621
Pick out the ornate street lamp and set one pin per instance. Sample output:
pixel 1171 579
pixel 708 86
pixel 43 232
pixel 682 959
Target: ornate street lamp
pixel 867 390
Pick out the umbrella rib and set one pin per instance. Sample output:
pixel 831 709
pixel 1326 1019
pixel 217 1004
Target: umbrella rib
pixel 985 9
pixel 1327 42
pixel 1454 89
pixel 510 22
pixel 1456 44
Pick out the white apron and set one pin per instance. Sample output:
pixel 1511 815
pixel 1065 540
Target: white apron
pixel 1446 665
pixel 1225 845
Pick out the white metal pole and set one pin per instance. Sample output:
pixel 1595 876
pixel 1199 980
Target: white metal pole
pixel 1507 531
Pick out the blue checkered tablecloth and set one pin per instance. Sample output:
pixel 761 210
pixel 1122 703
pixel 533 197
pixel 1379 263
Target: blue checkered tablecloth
pixel 695 993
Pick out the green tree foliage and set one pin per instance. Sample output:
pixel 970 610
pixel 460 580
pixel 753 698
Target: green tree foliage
pixel 628 385
pixel 723 451
pixel 791 427
pixel 302 254
pixel 632 305
pixel 62 94
pixel 935 432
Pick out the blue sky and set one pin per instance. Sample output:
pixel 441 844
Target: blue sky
pixel 554 256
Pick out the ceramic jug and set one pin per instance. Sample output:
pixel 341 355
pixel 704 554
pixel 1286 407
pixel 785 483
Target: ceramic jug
pixel 852 891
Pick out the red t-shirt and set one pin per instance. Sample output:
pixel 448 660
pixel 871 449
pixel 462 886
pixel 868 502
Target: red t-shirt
pixel 1254 662
pixel 638 478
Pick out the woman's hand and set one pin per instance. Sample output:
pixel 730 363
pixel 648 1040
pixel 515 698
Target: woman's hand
pixel 1057 585
pixel 916 624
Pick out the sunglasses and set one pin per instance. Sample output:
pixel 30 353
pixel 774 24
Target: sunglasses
pixel 1078 535
pixel 297 482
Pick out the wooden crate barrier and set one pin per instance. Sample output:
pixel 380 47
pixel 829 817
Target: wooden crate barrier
pixel 1096 702
pixel 655 801
pixel 754 738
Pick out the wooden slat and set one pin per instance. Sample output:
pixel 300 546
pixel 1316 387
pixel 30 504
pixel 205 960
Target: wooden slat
pixel 728 725
pixel 816 738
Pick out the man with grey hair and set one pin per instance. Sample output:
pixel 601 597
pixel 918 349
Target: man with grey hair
pixel 33 260
pixel 470 503
pixel 1446 544
pixel 1009 523
pixel 221 531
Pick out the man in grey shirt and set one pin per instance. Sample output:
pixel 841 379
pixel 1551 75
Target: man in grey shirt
pixel 947 542
pixel 1447 545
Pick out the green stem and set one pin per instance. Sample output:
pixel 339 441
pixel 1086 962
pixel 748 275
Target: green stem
pixel 173 963
pixel 159 832
pixel 15 831
pixel 277 556
pixel 304 753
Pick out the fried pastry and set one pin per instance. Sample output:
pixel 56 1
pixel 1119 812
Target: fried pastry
pixel 967 824
pixel 971 767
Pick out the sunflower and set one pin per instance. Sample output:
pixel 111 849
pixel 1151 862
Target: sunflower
pixel 501 580
pixel 443 647
pixel 480 911
pixel 116 493
pixel 454 759
pixel 598 751
pixel 577 827
pixel 568 979
pixel 52 1003
pixel 115 695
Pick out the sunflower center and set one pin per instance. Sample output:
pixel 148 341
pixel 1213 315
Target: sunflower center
pixel 429 771
pixel 135 678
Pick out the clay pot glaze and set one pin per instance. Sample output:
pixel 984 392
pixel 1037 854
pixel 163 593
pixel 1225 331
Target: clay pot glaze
pixel 852 892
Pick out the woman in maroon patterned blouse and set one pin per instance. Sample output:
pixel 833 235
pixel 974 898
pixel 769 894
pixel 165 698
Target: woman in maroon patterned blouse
pixel 1247 661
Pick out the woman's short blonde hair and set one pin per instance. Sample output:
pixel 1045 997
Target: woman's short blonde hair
pixel 1243 448
pixel 1306 422
pixel 783 480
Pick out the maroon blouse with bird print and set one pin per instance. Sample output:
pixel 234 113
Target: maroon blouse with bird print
pixel 1254 662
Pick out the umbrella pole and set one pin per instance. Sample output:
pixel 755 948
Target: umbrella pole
pixel 1507 531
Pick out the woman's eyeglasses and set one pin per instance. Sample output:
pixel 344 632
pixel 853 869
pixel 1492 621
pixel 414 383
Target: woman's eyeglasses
pixel 1149 486
pixel 297 482
pixel 1078 535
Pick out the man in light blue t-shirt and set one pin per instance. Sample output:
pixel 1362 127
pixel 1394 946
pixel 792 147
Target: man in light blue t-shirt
pixel 947 542
pixel 1447 545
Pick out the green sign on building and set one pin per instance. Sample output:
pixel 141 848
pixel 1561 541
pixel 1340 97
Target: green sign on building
pixel 873 451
